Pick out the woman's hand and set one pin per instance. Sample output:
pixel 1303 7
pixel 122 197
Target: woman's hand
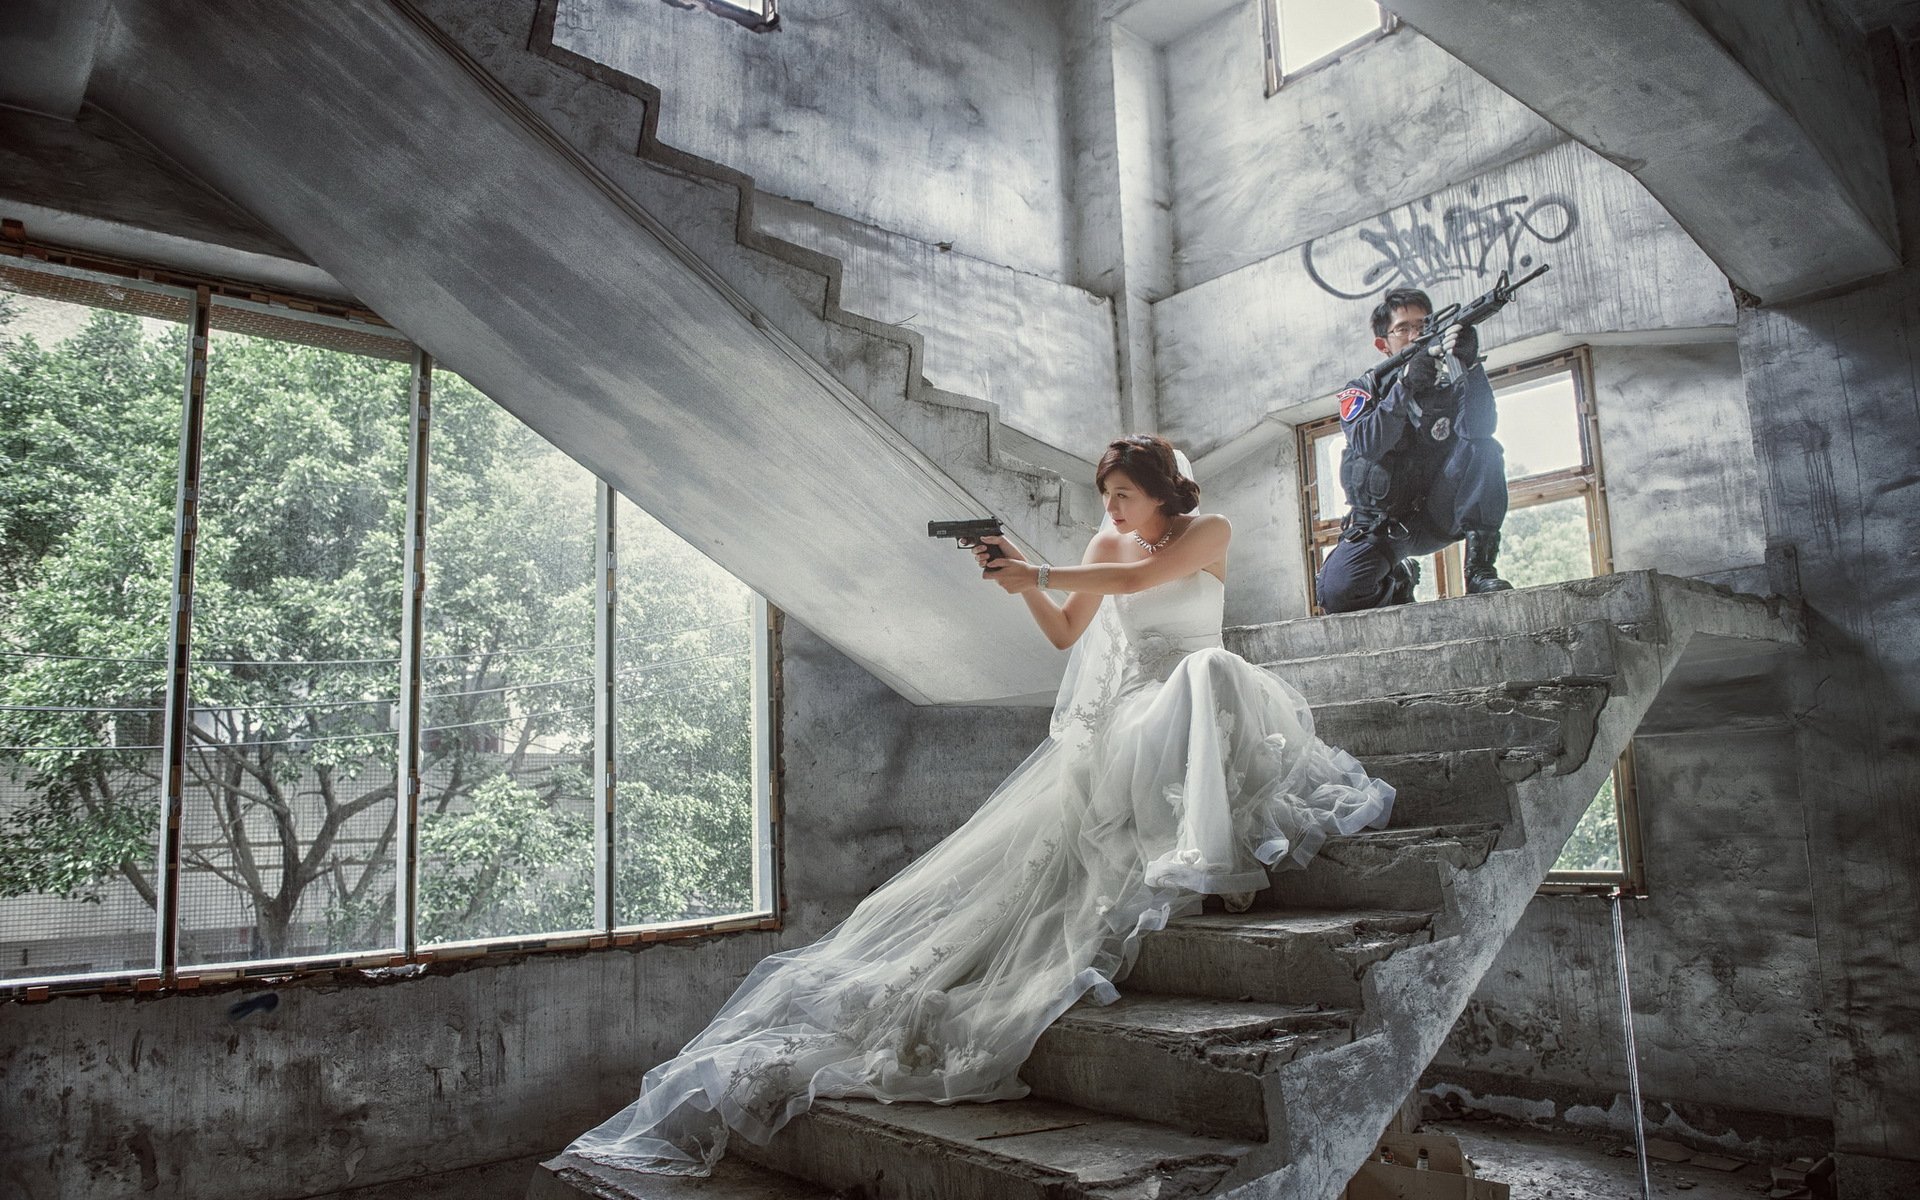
pixel 1014 575
pixel 1007 549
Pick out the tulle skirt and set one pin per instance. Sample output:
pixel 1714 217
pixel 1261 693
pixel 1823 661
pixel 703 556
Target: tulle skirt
pixel 1196 778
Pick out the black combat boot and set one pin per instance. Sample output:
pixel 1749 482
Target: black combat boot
pixel 1402 578
pixel 1483 547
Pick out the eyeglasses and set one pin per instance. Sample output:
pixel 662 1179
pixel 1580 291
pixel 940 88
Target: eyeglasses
pixel 1406 330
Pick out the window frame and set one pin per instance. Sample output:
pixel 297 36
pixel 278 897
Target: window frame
pixel 1586 481
pixel 1277 77
pixel 761 16
pixel 333 320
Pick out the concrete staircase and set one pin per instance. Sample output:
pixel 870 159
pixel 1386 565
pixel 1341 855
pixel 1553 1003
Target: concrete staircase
pixel 609 120
pixel 487 200
pixel 1261 1054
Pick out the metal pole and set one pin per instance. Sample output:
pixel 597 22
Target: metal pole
pixel 178 716
pixel 413 566
pixel 1626 1032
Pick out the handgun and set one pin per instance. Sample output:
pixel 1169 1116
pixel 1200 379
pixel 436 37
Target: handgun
pixel 969 532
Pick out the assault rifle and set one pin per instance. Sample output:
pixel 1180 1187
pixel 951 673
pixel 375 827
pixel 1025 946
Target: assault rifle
pixel 1472 312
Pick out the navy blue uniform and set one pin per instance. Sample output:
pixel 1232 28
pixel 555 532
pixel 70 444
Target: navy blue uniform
pixel 1419 471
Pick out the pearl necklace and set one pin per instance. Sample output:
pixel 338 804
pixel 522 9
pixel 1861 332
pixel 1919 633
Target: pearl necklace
pixel 1150 548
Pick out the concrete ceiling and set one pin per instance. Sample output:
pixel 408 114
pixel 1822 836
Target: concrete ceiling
pixel 48 46
pixel 1870 15
pixel 1746 119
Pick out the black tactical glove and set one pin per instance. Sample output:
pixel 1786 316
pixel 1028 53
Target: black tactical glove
pixel 1466 343
pixel 1421 375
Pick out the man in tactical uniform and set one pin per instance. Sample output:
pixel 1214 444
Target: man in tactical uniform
pixel 1421 468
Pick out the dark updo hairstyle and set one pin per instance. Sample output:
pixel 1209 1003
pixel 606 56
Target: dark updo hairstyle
pixel 1148 461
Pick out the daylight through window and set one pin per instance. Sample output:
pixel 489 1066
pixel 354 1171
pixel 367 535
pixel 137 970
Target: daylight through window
pixel 588 750
pixel 1303 33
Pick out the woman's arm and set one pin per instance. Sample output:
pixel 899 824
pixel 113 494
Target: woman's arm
pixel 1063 624
pixel 1203 544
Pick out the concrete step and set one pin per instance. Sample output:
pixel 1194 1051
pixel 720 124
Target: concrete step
pixel 733 1178
pixel 1581 652
pixel 1197 1063
pixel 1013 1150
pixel 1555 720
pixel 1452 787
pixel 1631 600
pixel 1297 957
pixel 1391 868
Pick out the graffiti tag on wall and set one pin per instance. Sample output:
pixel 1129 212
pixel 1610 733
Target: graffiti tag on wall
pixel 1412 247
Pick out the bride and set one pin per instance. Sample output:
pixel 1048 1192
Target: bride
pixel 1174 769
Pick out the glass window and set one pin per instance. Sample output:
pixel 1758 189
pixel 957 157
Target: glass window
pixel 1540 426
pixel 684 809
pixel 288 820
pixel 294 741
pixel 1302 33
pixel 91 380
pixel 1547 543
pixel 507 744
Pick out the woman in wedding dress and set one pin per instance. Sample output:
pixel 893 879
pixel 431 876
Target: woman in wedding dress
pixel 1174 769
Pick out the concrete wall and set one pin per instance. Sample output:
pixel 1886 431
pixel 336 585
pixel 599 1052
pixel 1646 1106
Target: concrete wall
pixel 1392 121
pixel 352 1086
pixel 1724 966
pixel 1834 389
pixel 1683 489
pixel 1773 963
pixel 944 123
pixel 1275 340
pixel 1765 887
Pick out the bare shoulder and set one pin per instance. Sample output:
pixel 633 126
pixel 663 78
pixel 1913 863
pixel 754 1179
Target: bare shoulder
pixel 1209 521
pixel 1105 546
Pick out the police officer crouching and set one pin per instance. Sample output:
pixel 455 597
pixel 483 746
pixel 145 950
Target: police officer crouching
pixel 1421 469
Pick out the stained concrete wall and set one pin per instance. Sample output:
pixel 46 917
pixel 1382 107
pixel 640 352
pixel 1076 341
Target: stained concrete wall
pixel 1683 488
pixel 1774 962
pixel 1723 960
pixel 1834 389
pixel 352 1086
pixel 1717 454
pixel 941 122
pixel 1392 121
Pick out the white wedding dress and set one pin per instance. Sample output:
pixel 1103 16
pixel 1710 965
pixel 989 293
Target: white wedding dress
pixel 1174 768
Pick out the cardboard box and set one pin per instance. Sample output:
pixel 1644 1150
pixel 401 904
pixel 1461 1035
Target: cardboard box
pixel 1449 1176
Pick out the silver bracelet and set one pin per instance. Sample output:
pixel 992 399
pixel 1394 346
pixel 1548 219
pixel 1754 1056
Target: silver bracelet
pixel 1041 577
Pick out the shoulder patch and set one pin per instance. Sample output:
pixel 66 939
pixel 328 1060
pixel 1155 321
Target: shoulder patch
pixel 1353 402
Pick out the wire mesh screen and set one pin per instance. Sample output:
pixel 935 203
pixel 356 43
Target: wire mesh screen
pixel 683 678
pixel 289 807
pixel 89 422
pixel 506 840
